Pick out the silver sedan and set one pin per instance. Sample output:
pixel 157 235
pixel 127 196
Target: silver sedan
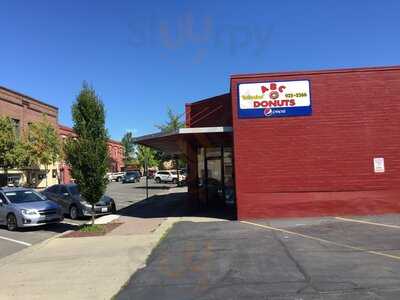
pixel 21 207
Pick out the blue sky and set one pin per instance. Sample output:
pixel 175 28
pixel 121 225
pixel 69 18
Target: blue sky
pixel 145 56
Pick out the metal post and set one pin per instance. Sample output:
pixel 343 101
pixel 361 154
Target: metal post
pixel 223 173
pixel 146 170
pixel 177 170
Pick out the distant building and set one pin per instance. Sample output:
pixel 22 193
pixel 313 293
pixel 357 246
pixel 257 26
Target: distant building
pixel 115 150
pixel 23 110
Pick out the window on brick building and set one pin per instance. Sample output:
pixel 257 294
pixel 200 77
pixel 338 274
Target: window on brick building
pixel 17 127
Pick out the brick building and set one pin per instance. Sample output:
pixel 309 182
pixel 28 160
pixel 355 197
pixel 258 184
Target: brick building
pixel 23 109
pixel 301 144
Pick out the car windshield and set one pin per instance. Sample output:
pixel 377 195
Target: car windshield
pixel 23 196
pixel 131 174
pixel 173 172
pixel 74 190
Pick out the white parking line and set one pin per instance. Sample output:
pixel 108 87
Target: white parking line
pixel 15 241
pixel 367 222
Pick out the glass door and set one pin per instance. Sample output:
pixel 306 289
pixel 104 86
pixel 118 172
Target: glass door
pixel 214 180
pixel 215 175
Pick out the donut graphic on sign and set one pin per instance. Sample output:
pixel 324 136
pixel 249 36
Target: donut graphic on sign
pixel 274 93
pixel 274 90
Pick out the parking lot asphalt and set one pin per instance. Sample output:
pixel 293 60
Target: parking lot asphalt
pixel 123 194
pixel 319 258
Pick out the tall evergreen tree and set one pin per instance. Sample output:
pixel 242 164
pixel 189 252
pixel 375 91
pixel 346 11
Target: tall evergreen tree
pixel 87 153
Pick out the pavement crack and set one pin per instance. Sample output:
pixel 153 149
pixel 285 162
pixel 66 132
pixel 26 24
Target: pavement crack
pixel 299 267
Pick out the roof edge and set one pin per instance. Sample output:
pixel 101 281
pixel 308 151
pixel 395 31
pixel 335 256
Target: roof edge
pixel 183 131
pixel 67 128
pixel 28 97
pixel 207 99
pixel 153 136
pixel 322 71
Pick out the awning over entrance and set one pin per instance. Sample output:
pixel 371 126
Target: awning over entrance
pixel 176 142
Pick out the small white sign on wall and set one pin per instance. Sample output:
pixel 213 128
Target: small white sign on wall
pixel 379 165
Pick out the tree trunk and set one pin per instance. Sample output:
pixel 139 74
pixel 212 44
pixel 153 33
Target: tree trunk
pixel 6 176
pixel 45 169
pixel 92 214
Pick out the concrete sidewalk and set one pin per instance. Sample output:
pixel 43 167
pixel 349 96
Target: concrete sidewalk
pixel 83 268
pixel 80 268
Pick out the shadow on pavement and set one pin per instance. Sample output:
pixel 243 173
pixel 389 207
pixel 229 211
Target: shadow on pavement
pixel 153 187
pixel 56 228
pixel 176 205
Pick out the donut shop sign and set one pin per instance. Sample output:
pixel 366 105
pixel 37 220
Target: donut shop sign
pixel 274 99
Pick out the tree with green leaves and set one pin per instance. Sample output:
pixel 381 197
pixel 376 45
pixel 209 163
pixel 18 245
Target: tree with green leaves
pixel 87 153
pixel 174 122
pixel 9 158
pixel 146 155
pixel 43 146
pixel 129 147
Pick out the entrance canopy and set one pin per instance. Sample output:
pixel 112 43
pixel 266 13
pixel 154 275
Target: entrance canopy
pixel 175 142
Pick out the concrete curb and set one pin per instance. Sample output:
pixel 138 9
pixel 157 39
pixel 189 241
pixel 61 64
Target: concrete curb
pixel 105 219
pixel 10 258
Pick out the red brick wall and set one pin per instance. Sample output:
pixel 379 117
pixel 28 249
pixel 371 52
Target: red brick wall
pixel 115 151
pixel 211 112
pixel 322 164
pixel 24 108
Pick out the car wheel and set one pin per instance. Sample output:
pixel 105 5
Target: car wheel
pixel 73 212
pixel 12 222
pixel 174 181
pixel 158 180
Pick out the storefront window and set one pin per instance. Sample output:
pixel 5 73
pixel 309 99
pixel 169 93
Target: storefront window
pixel 228 176
pixel 213 152
pixel 228 167
pixel 201 174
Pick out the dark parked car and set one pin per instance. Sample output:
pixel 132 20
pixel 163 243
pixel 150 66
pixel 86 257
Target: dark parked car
pixel 73 204
pixel 131 177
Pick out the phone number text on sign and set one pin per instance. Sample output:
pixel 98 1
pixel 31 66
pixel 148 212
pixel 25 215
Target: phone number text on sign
pixel 274 99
